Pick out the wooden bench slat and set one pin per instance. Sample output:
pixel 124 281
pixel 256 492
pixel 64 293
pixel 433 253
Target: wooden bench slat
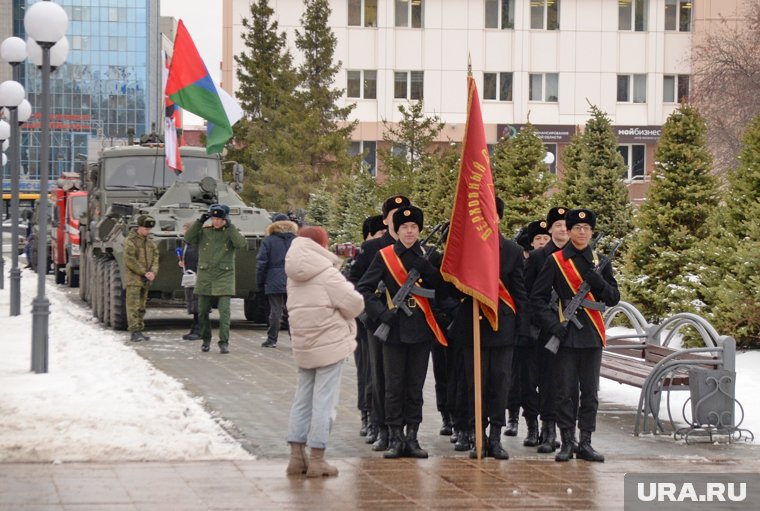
pixel 633 366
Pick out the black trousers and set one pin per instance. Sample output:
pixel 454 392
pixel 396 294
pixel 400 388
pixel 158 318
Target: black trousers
pixel 377 375
pixel 405 371
pixel 578 370
pixel 457 393
pixel 441 377
pixel 276 310
pixel 547 382
pixel 363 375
pixel 523 389
pixel 496 366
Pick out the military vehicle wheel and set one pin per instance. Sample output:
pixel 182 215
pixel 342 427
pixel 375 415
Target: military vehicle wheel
pixel 94 288
pixel 98 300
pixel 118 299
pixel 106 292
pixel 83 275
pixel 90 276
pixel 60 274
pixel 72 278
pixel 256 309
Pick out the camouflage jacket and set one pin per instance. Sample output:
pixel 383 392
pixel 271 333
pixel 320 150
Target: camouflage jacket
pixel 140 257
pixel 216 258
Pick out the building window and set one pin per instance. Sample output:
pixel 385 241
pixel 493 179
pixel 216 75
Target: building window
pixel 497 86
pixel 636 82
pixel 361 84
pixel 675 89
pixel 678 15
pixel 408 84
pixel 634 156
pixel 632 15
pixel 409 13
pixel 369 150
pixel 544 87
pixel 500 14
pixel 362 13
pixel 544 14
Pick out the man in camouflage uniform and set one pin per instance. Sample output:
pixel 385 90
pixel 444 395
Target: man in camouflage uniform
pixel 217 245
pixel 141 260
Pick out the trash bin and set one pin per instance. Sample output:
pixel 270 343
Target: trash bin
pixel 712 397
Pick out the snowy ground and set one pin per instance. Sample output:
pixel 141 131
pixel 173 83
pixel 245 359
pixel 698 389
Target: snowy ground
pixel 99 401
pixel 747 392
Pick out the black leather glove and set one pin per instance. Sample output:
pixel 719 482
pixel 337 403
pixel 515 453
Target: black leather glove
pixel 387 317
pixel 594 279
pixel 424 266
pixel 559 331
pixel 204 217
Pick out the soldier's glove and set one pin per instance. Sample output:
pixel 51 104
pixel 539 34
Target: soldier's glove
pixel 424 266
pixel 559 331
pixel 594 279
pixel 204 217
pixel 387 317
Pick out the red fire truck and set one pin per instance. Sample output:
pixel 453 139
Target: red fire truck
pixel 70 203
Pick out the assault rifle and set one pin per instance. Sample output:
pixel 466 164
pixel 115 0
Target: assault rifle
pixel 410 287
pixel 579 300
pixel 381 286
pixel 554 300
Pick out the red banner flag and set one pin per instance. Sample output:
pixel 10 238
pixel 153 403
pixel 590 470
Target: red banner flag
pixel 471 260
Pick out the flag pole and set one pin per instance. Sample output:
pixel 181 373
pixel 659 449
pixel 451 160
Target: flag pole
pixel 478 379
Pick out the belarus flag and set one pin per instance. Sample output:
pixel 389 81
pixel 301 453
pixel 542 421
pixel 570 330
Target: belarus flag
pixel 190 86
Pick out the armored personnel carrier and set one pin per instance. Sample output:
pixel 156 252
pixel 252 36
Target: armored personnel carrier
pixel 130 181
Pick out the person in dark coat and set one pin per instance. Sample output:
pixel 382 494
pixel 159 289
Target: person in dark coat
pixel 217 245
pixel 579 358
pixel 270 271
pixel 543 359
pixel 189 262
pixel 496 345
pixel 406 351
pixel 377 432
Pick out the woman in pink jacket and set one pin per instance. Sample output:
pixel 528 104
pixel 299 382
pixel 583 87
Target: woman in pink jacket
pixel 322 306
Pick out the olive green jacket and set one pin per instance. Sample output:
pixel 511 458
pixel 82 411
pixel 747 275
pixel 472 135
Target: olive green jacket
pixel 216 258
pixel 140 257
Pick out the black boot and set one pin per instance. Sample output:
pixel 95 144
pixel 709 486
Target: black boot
pixel 464 441
pixel 532 439
pixel 575 443
pixel 484 449
pixel 364 426
pixel 455 432
pixel 585 451
pixel 548 437
pixel 372 431
pixel 396 443
pixel 494 444
pixel 413 449
pixel 566 451
pixel 137 337
pixel 512 423
pixel 206 346
pixel 445 424
pixel 195 330
pixel 381 444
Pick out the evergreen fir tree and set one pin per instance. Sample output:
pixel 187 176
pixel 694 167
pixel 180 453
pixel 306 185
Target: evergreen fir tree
pixel 600 186
pixel 435 186
pixel 681 198
pixel 521 178
pixel 318 206
pixel 407 147
pixel 362 202
pixel 571 187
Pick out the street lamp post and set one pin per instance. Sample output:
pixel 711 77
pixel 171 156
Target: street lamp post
pixel 5 133
pixel 11 95
pixel 13 51
pixel 45 23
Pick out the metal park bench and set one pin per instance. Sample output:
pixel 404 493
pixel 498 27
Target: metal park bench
pixel 648 361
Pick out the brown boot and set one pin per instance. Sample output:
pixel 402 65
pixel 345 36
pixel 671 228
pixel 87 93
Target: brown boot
pixel 299 463
pixel 318 467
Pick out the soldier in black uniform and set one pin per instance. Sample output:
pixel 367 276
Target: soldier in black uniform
pixel 373 227
pixel 580 353
pixel 496 346
pixel 544 359
pixel 407 349
pixel 523 387
pixel 377 433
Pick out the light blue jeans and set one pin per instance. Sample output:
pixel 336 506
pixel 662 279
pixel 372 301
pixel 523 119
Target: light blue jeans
pixel 313 410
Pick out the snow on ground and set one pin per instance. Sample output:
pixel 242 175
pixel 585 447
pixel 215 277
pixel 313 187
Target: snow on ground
pixel 747 391
pixel 99 401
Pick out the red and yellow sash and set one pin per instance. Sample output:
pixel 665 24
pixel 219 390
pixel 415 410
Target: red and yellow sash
pixel 506 297
pixel 574 280
pixel 399 274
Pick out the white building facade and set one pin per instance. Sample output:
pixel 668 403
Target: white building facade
pixel 541 61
